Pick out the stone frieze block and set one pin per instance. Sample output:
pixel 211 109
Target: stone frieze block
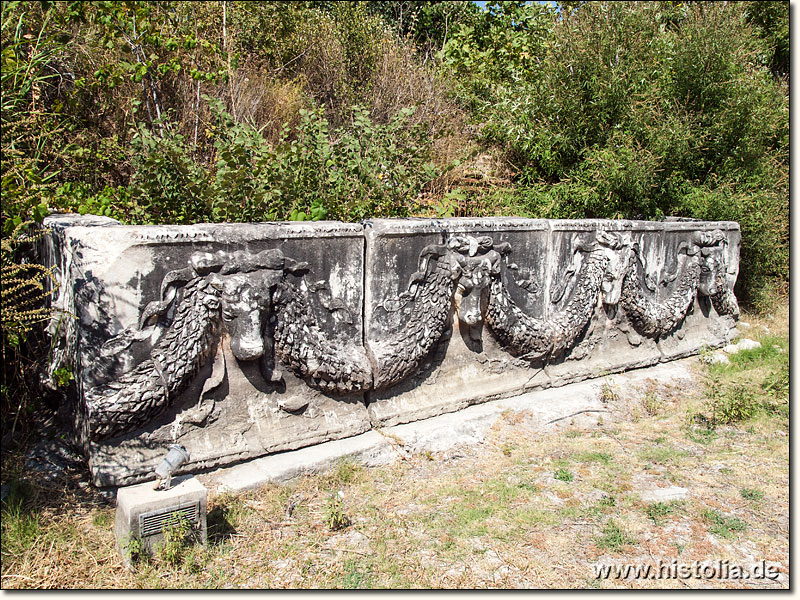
pixel 232 340
pixel 427 289
pixel 241 340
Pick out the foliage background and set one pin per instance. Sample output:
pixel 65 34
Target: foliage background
pixel 183 112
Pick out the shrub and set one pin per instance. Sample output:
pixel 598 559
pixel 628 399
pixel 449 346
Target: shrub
pixel 639 110
pixel 738 403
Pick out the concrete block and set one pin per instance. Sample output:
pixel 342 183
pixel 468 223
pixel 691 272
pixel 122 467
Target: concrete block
pixel 370 448
pixel 143 513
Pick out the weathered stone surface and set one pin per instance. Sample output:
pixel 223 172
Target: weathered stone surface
pixel 607 342
pixel 370 448
pixel 242 340
pixel 427 286
pixel 203 371
pixel 713 310
pixel 576 404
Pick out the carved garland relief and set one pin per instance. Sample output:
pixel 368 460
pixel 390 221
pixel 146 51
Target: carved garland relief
pixel 269 319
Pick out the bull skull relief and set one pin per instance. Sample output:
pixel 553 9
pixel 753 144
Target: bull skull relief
pixel 268 317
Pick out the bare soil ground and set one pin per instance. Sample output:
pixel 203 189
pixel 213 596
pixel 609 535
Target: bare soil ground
pixel 523 509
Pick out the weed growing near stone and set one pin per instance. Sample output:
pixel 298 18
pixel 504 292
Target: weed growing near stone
pixel 608 393
pixel 335 517
pixel 652 404
pixel 178 537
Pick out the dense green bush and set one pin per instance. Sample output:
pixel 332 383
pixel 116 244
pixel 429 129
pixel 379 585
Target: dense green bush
pixel 355 171
pixel 112 96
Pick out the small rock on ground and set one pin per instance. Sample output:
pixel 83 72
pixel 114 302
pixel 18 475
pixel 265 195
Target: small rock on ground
pixel 716 358
pixel 742 344
pixel 664 494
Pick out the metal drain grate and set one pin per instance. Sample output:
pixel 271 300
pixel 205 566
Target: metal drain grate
pixel 155 522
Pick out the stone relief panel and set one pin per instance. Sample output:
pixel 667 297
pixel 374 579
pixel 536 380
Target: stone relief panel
pixel 240 340
pixel 586 292
pixel 696 306
pixel 226 341
pixel 450 268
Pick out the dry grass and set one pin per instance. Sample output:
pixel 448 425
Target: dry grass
pixel 492 515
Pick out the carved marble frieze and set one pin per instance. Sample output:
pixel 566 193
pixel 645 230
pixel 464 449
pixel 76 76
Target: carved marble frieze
pixel 242 340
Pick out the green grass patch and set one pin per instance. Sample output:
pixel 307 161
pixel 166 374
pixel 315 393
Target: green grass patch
pixel 768 353
pixel 529 487
pixel 346 471
pixel 103 519
pixel 591 511
pixel 357 575
pixel 755 384
pixel 598 457
pixel 614 537
pixel 563 474
pixel 752 494
pixel 501 492
pixel 467 515
pixel 21 529
pixel 700 434
pixel 722 525
pixel 229 512
pixel 659 511
pixel 661 455
pixel 531 517
pixel 560 463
